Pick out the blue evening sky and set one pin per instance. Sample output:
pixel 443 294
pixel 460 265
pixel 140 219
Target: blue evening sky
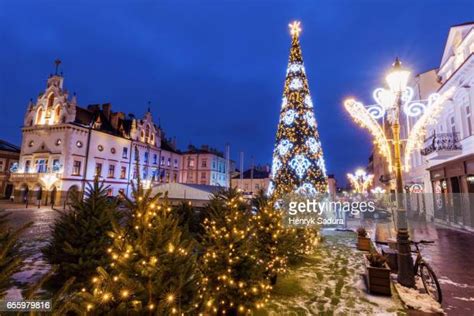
pixel 214 70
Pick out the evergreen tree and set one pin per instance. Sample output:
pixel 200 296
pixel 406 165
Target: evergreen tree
pixel 79 237
pixel 153 267
pixel 298 163
pixel 234 274
pixel 11 259
pixel 271 233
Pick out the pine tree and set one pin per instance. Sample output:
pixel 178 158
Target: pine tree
pixel 11 259
pixel 298 163
pixel 234 273
pixel 79 237
pixel 153 269
pixel 271 233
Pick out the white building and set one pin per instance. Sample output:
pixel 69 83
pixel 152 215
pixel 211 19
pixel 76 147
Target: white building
pixel 64 146
pixel 446 162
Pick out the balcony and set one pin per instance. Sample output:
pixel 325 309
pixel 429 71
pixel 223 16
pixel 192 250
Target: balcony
pixel 442 146
pixel 24 177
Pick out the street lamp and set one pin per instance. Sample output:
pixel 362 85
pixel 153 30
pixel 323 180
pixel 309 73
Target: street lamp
pixel 360 180
pixel 389 104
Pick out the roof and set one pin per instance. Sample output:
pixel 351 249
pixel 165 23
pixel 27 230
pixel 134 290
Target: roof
pixel 165 145
pixel 6 146
pixel 181 191
pixel 203 150
pixel 257 174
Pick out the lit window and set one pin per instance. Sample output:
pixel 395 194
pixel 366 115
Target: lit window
pixel 79 144
pixel 100 148
pixel 111 171
pixel 76 168
pixel 98 169
pixel 123 172
pixel 31 143
pixel 125 153
pixel 58 142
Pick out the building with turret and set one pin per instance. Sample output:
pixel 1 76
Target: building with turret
pixel 65 146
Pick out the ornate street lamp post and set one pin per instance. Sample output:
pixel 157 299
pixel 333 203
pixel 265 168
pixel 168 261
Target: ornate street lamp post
pixel 390 103
pixel 397 81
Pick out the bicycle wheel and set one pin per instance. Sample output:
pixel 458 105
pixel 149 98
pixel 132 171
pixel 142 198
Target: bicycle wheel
pixel 430 282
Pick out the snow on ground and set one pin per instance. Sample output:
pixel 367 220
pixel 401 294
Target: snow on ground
pixel 418 301
pixel 330 282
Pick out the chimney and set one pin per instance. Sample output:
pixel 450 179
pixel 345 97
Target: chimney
pixel 107 108
pixel 115 119
pixel 93 107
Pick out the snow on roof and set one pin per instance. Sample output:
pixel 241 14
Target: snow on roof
pixel 181 191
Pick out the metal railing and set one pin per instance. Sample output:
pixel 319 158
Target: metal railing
pixel 441 141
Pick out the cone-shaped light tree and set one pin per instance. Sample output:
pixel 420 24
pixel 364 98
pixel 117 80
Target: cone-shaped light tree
pixel 298 164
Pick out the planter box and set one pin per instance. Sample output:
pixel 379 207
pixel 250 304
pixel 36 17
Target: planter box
pixel 378 279
pixel 363 243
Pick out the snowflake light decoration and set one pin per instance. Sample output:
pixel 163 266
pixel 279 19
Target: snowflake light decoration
pixel 322 165
pixel 289 117
pixel 308 101
pixel 296 84
pixel 295 68
pixel 313 145
pixel 300 164
pixel 307 189
pixel 309 116
pixel 276 165
pixel 284 102
pixel 284 146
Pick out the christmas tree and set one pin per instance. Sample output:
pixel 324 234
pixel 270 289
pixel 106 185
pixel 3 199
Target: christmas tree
pixel 234 271
pixel 153 269
pixel 298 164
pixel 79 237
pixel 11 259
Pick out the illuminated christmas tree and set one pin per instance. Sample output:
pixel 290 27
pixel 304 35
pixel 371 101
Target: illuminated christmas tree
pixel 153 264
pixel 298 164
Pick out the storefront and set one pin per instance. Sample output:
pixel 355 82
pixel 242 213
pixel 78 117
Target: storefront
pixel 453 191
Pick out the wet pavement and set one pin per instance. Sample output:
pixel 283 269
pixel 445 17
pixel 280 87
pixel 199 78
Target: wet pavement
pixel 451 257
pixel 33 240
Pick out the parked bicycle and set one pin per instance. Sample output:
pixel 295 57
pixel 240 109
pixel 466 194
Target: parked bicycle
pixel 424 271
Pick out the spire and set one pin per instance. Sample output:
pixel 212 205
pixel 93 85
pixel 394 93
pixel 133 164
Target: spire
pixel 57 62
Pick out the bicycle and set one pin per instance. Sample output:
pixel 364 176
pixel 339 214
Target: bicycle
pixel 424 271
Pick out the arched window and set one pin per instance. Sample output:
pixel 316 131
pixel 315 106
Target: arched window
pixel 50 100
pixel 39 116
pixel 147 133
pixel 57 114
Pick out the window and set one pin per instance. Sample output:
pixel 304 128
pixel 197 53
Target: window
pixel 469 122
pixel 41 165
pixel 146 157
pixel 191 162
pixel 39 116
pixel 76 168
pixel 125 153
pixel 112 150
pixel 176 163
pixel 168 162
pixel 453 126
pixel 203 175
pixel 162 160
pixel 123 172
pixel 2 165
pixel 79 144
pixel 98 169
pixel 111 171
pixel 100 148
pixel 27 166
pixel 31 143
pixel 58 142
pixel 204 163
pixel 56 165
pixel 155 159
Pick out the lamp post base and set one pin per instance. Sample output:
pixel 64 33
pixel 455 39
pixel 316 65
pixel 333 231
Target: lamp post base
pixel 406 275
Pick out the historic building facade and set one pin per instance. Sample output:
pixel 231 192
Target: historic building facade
pixel 445 163
pixel 65 146
pixel 205 165
pixel 9 156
